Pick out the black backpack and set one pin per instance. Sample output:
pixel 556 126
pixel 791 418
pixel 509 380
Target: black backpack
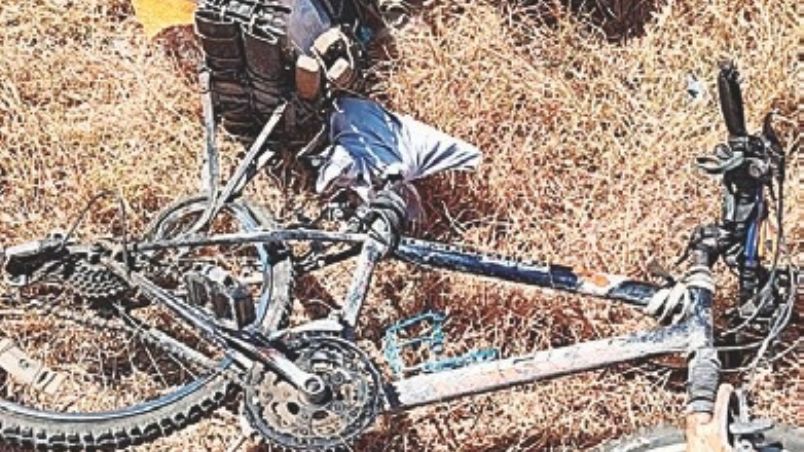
pixel 260 54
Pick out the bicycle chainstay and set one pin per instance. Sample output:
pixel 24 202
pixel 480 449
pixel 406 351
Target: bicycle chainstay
pixel 94 282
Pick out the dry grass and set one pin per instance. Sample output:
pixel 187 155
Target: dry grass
pixel 588 148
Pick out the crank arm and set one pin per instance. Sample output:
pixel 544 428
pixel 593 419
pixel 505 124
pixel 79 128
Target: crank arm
pixel 311 385
pixel 248 348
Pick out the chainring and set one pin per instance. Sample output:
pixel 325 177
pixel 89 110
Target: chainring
pixel 282 415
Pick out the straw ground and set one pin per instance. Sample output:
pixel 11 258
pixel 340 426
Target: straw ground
pixel 588 144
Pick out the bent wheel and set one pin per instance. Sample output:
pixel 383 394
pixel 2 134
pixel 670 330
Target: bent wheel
pixel 131 375
pixel 276 301
pixel 285 418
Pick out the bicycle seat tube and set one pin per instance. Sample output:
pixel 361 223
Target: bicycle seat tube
pixel 386 221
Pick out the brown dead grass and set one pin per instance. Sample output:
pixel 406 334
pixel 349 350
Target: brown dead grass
pixel 588 149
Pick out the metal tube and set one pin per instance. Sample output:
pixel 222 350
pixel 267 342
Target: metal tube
pixel 435 255
pixel 703 373
pixel 234 184
pixel 496 375
pixel 376 246
pixel 240 238
pixel 371 254
pixel 211 163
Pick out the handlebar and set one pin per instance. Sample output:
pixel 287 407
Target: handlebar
pixel 731 100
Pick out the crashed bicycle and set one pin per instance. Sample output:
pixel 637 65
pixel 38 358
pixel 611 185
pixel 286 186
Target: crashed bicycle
pixel 201 306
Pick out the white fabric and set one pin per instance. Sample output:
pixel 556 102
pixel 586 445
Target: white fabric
pixel 370 143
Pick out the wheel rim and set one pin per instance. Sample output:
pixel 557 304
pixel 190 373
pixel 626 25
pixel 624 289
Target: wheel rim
pixel 82 411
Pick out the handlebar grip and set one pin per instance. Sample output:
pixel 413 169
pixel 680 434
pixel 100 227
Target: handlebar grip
pixel 731 100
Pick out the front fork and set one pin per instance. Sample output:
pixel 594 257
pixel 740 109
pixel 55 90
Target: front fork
pixel 703 371
pixel 707 401
pixel 709 244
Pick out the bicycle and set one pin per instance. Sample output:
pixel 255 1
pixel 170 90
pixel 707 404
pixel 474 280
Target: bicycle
pixel 182 300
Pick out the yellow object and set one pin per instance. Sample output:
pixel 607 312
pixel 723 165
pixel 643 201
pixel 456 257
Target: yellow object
pixel 157 15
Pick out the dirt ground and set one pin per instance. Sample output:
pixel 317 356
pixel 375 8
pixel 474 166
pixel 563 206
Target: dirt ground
pixel 589 140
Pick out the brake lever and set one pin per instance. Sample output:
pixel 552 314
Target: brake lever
pixel 723 159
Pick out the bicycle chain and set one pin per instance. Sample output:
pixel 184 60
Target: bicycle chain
pixel 72 315
pixel 96 282
pixel 145 335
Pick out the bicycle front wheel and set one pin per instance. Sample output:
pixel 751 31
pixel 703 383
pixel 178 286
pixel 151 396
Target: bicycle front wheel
pixel 670 439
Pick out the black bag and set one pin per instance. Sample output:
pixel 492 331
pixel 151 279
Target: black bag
pixel 251 48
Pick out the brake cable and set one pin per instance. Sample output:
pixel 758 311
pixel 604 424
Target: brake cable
pixel 783 316
pixel 82 216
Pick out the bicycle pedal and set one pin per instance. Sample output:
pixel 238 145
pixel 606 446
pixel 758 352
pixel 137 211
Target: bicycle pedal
pixel 27 371
pixel 424 332
pixel 213 288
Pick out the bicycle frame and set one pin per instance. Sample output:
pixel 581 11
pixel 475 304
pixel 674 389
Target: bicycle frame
pixel 694 335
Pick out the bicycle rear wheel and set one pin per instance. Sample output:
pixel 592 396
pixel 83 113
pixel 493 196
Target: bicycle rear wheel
pixel 129 375
pixel 275 301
